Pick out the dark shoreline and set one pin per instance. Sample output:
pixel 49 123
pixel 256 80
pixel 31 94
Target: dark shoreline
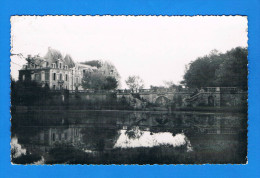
pixel 159 109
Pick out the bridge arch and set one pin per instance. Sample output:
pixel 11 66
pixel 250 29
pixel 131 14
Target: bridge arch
pixel 162 100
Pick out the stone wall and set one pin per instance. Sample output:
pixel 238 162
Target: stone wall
pixel 89 97
pixel 233 99
pixel 178 99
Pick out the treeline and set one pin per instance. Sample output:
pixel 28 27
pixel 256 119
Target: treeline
pixel 29 93
pixel 32 94
pixel 98 81
pixel 105 77
pixel 218 70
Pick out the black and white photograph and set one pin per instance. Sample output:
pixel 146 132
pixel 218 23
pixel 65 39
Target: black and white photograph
pixel 129 90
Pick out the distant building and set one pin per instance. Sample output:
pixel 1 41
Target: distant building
pixel 55 71
pixel 108 69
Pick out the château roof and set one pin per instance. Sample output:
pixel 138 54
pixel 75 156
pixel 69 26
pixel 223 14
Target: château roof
pixel 52 55
pixel 84 66
pixel 69 61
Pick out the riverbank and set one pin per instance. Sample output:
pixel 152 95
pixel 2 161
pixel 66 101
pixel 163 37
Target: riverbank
pixel 225 109
pixel 234 109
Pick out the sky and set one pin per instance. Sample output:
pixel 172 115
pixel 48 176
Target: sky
pixel 156 48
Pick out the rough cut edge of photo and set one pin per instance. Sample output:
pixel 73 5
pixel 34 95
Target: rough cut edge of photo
pixel 123 141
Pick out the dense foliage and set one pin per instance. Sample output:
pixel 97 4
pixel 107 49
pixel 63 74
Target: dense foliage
pixel 98 81
pixel 105 77
pixel 223 70
pixel 28 92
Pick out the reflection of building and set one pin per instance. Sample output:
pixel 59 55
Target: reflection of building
pixel 50 137
pixel 58 135
pixel 54 70
pixel 54 136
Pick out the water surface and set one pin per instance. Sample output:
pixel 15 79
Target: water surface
pixel 128 137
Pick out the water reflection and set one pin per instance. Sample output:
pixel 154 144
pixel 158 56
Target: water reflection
pixel 137 138
pixel 110 137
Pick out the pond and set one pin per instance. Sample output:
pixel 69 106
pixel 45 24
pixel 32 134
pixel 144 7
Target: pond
pixel 128 137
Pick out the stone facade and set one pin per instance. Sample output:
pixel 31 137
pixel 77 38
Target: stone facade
pixel 55 71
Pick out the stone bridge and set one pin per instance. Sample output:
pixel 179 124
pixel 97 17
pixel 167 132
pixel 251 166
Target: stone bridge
pixel 156 96
pixel 209 96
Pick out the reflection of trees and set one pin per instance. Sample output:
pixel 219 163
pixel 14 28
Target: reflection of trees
pixel 26 159
pixel 25 135
pixel 98 138
pixel 64 153
pixel 134 132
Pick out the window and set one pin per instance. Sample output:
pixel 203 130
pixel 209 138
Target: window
pixel 43 76
pixel 37 77
pixel 32 77
pixel 66 77
pixel 47 76
pixel 47 64
pixel 77 80
pixel 54 76
pixel 60 87
pixel 53 65
pixel 53 137
pixel 54 87
pixel 60 76
pixel 23 77
pixel 66 67
pixel 60 65
pixel 66 87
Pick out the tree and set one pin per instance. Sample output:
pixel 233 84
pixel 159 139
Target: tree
pixel 93 80
pixel 169 84
pixel 201 72
pixel 98 81
pixel 110 83
pixel 172 85
pixel 156 87
pixel 106 68
pixel 233 71
pixel 134 82
pixel 109 69
pixel 222 70
pixel 28 93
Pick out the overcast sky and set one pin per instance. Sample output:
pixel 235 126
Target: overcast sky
pixel 155 48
